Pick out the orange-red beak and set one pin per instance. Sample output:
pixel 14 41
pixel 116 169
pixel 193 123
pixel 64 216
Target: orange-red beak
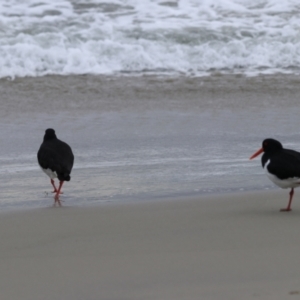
pixel 261 150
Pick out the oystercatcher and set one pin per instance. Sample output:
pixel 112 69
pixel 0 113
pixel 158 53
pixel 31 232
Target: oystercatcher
pixel 56 159
pixel 282 166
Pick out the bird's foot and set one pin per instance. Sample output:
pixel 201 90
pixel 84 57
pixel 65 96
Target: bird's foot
pixel 286 209
pixel 55 191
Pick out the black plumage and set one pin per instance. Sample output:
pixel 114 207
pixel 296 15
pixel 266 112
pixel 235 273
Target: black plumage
pixel 284 163
pixel 56 159
pixel 282 166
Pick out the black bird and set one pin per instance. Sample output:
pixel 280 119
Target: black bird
pixel 56 159
pixel 282 166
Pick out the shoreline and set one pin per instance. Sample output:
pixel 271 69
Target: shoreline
pixel 128 200
pixel 268 193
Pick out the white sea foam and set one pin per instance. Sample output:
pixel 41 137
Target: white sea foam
pixel 191 37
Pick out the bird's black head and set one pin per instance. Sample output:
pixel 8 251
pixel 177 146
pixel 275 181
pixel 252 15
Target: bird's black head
pixel 49 134
pixel 271 145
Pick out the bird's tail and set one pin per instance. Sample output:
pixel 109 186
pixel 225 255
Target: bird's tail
pixel 67 177
pixel 64 177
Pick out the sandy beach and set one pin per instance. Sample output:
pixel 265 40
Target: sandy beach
pixel 163 202
pixel 162 102
pixel 217 247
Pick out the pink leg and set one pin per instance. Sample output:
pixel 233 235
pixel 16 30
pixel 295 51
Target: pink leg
pixel 56 197
pixel 290 201
pixel 53 184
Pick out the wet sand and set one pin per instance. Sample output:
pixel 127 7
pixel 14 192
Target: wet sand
pixel 89 93
pixel 216 247
pixel 144 137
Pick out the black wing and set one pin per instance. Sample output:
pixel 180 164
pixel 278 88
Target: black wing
pixel 285 164
pixel 57 156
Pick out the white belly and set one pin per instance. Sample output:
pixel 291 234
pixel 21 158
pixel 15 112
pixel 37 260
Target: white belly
pixel 283 183
pixel 50 173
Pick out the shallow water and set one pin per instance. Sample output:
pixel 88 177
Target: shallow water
pixel 143 137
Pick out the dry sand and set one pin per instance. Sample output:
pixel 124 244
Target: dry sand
pixel 217 247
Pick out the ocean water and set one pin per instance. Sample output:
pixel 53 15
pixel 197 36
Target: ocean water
pixel 172 37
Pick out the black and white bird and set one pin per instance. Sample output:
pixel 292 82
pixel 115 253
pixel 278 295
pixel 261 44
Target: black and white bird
pixel 56 159
pixel 282 166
